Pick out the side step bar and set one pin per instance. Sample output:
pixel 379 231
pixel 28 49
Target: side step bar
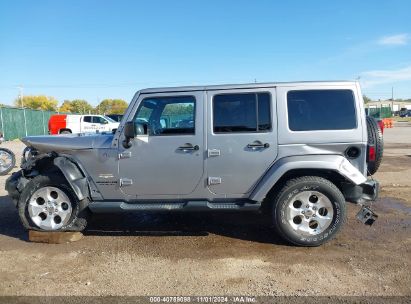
pixel 111 207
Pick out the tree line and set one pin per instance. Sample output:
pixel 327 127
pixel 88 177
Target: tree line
pixel 80 106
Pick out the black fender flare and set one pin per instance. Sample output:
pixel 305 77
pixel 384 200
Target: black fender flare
pixel 74 176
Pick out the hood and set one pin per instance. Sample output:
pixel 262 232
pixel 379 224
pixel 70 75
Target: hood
pixel 60 143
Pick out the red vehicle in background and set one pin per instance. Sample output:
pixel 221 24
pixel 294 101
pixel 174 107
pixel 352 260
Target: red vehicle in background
pixel 69 123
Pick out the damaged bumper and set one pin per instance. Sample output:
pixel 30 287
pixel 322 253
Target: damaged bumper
pixel 15 185
pixel 363 193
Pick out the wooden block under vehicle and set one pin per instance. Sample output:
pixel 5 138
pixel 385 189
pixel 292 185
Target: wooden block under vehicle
pixel 55 237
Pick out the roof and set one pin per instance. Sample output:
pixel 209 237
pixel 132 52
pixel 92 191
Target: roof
pixel 244 86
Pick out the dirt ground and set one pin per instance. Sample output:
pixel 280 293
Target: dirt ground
pixel 219 254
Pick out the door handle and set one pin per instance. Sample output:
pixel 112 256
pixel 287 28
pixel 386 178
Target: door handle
pixel 258 145
pixel 188 147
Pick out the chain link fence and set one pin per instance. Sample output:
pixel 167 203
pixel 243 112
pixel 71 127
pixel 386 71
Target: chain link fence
pixel 380 112
pixel 18 122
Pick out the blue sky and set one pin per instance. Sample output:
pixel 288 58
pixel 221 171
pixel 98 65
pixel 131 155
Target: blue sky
pixel 95 49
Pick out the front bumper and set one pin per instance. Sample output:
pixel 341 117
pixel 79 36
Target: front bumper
pixel 360 194
pixel 14 186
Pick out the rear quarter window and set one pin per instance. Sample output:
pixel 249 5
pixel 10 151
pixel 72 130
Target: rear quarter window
pixel 310 110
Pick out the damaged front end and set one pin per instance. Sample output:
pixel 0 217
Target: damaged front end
pixel 15 185
pixel 32 165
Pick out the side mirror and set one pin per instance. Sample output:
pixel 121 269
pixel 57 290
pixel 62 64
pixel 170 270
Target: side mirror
pixel 141 129
pixel 129 133
pixel 129 130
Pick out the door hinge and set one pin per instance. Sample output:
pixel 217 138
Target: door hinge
pixel 213 152
pixel 214 180
pixel 125 182
pixel 123 155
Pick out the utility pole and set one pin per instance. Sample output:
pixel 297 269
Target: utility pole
pixel 21 95
pixel 392 100
pixel 22 106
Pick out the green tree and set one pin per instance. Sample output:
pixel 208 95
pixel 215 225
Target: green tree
pixel 112 106
pixel 40 102
pixel 178 109
pixel 366 99
pixel 66 107
pixel 80 106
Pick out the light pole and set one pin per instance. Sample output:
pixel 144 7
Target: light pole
pixel 21 95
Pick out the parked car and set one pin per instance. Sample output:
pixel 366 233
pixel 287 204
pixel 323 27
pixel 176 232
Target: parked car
pixel 67 124
pixel 406 113
pixel 298 151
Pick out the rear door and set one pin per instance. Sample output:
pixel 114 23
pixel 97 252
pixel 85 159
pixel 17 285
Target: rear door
pixel 242 139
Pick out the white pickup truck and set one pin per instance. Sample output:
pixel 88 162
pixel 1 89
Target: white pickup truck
pixel 67 123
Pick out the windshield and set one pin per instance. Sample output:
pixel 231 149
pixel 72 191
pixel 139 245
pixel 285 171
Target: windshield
pixel 109 119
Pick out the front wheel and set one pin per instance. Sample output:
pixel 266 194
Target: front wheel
pixel 48 203
pixel 308 211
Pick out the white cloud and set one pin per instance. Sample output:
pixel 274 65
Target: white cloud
pixel 399 39
pixel 376 77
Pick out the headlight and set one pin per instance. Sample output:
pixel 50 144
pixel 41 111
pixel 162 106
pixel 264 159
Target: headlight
pixel 29 153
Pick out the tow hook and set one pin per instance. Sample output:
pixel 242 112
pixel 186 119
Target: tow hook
pixel 366 215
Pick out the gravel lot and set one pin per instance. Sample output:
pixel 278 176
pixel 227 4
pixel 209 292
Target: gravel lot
pixel 219 254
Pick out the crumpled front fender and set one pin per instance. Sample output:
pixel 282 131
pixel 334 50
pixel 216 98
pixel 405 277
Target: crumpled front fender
pixel 74 176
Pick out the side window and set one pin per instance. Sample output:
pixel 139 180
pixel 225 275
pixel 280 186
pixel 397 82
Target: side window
pixel 310 110
pixel 99 120
pixel 167 115
pixel 87 119
pixel 250 112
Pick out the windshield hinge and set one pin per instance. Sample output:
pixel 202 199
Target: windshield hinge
pixel 123 155
pixel 125 182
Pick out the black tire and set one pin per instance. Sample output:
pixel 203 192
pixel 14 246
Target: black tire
pixel 289 192
pixel 80 212
pixel 65 132
pixel 12 164
pixel 376 139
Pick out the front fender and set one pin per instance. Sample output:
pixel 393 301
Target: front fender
pixel 335 163
pixel 74 176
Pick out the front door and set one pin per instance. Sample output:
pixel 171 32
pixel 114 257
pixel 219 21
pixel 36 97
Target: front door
pixel 242 139
pixel 166 161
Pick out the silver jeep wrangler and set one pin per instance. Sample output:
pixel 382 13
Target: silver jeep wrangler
pixel 297 150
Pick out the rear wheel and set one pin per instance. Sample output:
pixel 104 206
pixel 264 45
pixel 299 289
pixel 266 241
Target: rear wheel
pixel 308 211
pixel 48 203
pixel 65 132
pixel 7 161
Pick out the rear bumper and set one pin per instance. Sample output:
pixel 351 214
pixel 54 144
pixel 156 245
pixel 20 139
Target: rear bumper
pixel 362 193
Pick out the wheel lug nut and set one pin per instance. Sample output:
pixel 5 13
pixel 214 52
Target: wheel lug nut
pixel 314 208
pixel 306 217
pixel 313 215
pixel 308 206
pixel 303 212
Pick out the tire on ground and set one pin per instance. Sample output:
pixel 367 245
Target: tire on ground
pixel 80 212
pixel 375 138
pixel 13 161
pixel 288 193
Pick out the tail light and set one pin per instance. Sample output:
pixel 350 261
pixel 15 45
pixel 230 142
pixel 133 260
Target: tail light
pixel 371 153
